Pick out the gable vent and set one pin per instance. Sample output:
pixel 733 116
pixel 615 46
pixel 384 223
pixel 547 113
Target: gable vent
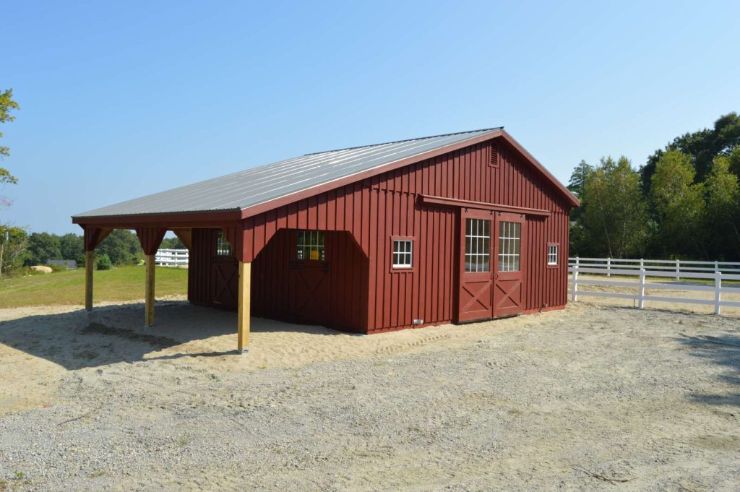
pixel 493 155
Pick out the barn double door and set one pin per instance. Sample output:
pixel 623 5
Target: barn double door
pixel 491 264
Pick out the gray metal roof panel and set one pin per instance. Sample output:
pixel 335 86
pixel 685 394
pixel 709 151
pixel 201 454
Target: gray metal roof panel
pixel 250 187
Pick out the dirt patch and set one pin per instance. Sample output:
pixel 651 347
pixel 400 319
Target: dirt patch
pixel 591 397
pixel 155 341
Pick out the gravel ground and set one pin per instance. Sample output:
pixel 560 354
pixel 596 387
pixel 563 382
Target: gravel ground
pixel 591 397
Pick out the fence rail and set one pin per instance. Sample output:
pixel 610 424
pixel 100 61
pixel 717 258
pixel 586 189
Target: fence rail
pixel 678 267
pixel 172 257
pixel 716 271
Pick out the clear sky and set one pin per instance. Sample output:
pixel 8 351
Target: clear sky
pixel 122 99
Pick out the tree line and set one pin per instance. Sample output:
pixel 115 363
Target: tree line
pixel 19 249
pixel 684 202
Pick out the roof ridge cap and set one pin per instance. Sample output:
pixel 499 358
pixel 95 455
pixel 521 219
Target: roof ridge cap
pixel 407 140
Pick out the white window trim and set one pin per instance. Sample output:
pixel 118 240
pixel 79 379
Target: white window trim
pixel 552 254
pixel 403 254
pixel 510 246
pixel 477 245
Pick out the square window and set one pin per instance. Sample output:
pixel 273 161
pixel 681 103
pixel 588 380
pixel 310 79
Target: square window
pixel 403 251
pixel 310 246
pixel 552 254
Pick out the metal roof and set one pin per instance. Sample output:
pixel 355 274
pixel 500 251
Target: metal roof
pixel 244 189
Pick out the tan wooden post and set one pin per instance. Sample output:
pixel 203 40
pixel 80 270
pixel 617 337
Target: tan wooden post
pixel 244 312
pixel 89 267
pixel 92 237
pixel 149 291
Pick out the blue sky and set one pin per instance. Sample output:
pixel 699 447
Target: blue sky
pixel 123 99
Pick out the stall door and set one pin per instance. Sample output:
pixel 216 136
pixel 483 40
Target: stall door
pixel 224 281
pixel 508 298
pixel 475 296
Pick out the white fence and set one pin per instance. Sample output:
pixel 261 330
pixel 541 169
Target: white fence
pixel 172 257
pixel 716 271
pixel 677 267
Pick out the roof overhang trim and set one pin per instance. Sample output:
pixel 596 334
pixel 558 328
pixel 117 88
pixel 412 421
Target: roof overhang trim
pixel 213 218
pixel 453 202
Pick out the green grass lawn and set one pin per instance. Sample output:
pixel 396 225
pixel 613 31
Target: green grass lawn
pixel 68 287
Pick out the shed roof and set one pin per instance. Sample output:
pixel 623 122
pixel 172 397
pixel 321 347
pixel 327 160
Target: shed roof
pixel 263 184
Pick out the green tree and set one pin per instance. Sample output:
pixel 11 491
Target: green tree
pixel 679 204
pixel 702 146
pixel 722 217
pixel 172 243
pixel 578 178
pixel 122 247
pixel 7 104
pixel 733 158
pixel 42 246
pixel 72 248
pixel 13 241
pixel 576 185
pixel 614 220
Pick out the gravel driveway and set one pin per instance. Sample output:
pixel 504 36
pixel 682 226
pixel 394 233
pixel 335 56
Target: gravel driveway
pixel 592 397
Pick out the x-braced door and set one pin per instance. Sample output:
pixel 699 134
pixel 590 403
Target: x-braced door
pixel 475 299
pixel 508 296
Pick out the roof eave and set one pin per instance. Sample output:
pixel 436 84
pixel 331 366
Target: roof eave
pixel 163 219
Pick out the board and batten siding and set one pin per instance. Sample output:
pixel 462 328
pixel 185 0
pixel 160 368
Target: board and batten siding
pixel 374 210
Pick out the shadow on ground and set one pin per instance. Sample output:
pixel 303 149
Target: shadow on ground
pixel 725 351
pixel 116 333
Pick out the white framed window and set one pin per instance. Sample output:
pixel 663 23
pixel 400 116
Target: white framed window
pixel 223 248
pixel 552 254
pixel 509 246
pixel 477 245
pixel 403 254
pixel 310 246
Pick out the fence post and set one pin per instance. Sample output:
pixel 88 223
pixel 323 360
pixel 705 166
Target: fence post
pixel 717 292
pixel 678 269
pixel 642 263
pixel 716 266
pixel 641 299
pixel 609 267
pixel 574 294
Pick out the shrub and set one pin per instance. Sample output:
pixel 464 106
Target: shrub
pixel 104 262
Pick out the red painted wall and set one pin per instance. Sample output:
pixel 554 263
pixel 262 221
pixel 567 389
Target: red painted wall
pixel 386 205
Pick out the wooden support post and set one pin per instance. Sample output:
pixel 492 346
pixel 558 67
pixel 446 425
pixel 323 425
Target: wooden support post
pixel 89 267
pixel 149 291
pixel 244 313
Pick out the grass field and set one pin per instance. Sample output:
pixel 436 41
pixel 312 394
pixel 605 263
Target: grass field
pixel 68 287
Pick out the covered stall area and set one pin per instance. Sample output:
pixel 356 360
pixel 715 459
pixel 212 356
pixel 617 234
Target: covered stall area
pixel 296 275
pixel 150 230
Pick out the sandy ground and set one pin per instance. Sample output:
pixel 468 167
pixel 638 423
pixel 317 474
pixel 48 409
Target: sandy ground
pixel 591 397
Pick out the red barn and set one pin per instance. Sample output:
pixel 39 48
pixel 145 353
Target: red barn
pixel 450 228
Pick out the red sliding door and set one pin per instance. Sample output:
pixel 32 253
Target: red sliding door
pixel 508 277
